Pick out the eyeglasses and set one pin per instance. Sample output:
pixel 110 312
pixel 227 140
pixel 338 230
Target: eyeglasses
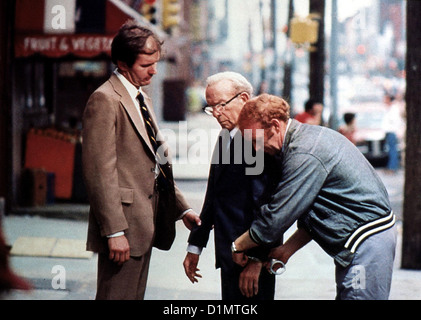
pixel 209 109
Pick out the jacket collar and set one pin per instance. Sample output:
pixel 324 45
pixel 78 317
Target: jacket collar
pixel 131 109
pixel 292 127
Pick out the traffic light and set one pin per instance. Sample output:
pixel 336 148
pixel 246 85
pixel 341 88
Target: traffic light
pixel 304 30
pixel 170 13
pixel 149 11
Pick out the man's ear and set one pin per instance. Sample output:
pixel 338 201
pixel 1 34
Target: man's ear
pixel 245 96
pixel 122 66
pixel 275 125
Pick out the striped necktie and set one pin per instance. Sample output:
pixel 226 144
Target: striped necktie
pixel 148 121
pixel 150 129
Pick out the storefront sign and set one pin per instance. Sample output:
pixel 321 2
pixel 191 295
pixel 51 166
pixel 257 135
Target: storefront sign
pixel 61 45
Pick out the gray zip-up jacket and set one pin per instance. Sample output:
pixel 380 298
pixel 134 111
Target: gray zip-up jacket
pixel 330 188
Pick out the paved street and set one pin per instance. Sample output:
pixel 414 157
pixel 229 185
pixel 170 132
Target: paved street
pixel 309 276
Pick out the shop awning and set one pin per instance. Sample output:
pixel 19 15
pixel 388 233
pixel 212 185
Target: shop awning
pixel 83 28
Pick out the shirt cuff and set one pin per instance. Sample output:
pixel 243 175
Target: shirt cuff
pixel 117 234
pixel 254 237
pixel 194 249
pixel 184 213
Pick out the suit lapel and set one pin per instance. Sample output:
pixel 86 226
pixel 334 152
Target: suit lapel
pixel 131 109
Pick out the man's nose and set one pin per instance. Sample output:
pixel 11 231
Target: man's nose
pixel 216 111
pixel 152 69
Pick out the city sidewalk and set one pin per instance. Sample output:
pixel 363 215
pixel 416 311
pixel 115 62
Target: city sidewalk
pixel 309 275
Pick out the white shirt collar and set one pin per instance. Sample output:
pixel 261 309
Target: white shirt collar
pixel 288 124
pixel 286 130
pixel 133 91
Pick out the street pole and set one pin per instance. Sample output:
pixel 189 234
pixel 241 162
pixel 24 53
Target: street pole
pixel 333 121
pixel 263 66
pixel 411 239
pixel 317 56
pixel 274 85
pixel 7 13
pixel 289 60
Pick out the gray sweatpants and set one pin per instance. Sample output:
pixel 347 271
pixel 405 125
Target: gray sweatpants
pixel 369 276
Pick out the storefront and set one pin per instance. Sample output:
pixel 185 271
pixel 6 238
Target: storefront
pixel 61 54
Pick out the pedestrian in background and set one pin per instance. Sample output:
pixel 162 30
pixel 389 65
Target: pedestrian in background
pixel 312 113
pixel 392 124
pixel 134 202
pixel 349 127
pixel 333 192
pixel 231 198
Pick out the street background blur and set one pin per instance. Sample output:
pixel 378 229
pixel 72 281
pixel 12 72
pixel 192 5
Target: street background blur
pixel 348 55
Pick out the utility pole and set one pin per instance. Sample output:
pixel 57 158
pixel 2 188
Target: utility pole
pixel 317 56
pixel 411 241
pixel 289 59
pixel 274 85
pixel 6 24
pixel 333 70
pixel 263 66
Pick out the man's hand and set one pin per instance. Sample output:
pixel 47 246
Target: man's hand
pixel 190 267
pixel 191 219
pixel 280 253
pixel 298 240
pixel 119 249
pixel 240 258
pixel 249 279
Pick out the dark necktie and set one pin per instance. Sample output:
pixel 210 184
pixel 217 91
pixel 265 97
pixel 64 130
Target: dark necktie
pixel 148 121
pixel 150 129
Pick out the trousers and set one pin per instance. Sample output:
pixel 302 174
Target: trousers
pixel 122 282
pixel 231 289
pixel 369 276
pixel 392 143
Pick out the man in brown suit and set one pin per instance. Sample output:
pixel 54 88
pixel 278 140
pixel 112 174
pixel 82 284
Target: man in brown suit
pixel 134 201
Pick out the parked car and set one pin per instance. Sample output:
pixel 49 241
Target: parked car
pixel 370 136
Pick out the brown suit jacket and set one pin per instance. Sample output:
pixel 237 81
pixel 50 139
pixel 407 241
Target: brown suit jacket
pixel 119 171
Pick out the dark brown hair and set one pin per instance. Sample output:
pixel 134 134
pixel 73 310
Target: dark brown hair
pixel 130 42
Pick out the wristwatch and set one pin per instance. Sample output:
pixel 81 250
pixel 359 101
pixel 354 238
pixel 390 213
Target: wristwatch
pixel 234 249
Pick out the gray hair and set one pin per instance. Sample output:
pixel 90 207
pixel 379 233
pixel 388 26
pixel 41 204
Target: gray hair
pixel 240 83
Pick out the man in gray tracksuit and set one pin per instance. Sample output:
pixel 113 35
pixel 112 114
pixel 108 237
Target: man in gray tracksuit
pixel 332 191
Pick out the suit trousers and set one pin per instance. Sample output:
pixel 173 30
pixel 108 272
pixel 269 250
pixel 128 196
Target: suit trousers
pixel 231 288
pixel 122 282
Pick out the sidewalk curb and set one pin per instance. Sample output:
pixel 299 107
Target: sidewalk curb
pixel 69 211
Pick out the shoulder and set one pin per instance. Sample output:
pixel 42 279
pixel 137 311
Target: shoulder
pixel 105 95
pixel 316 141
